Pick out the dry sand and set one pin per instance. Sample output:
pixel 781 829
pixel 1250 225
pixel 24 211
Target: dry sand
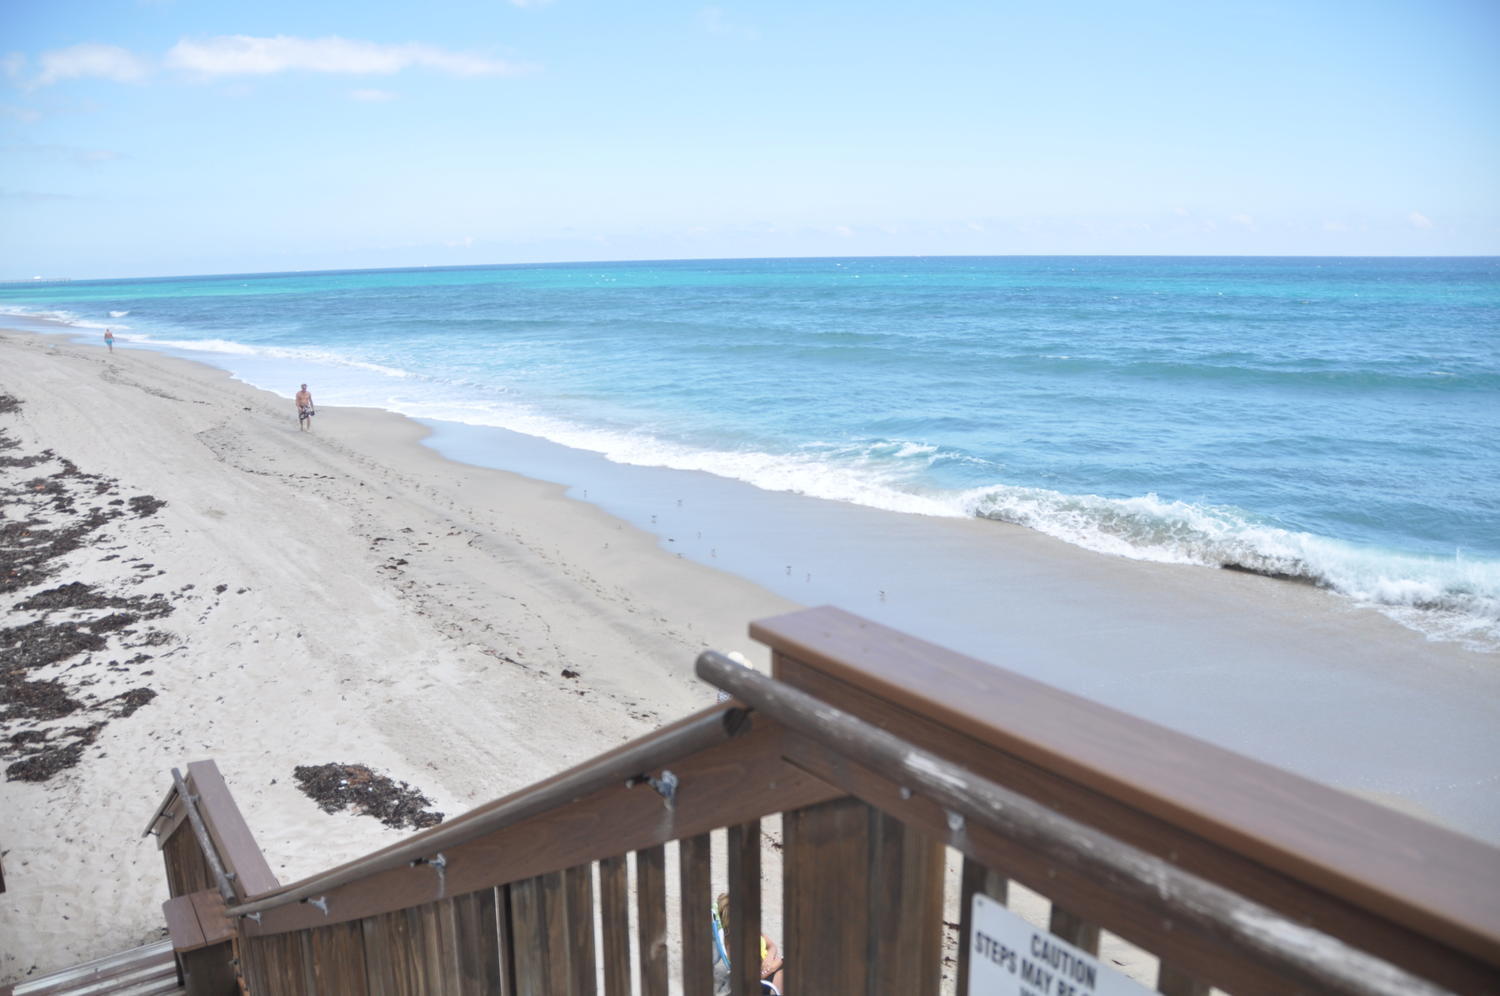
pixel 343 595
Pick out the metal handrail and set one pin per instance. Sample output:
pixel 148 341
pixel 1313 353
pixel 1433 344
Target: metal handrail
pixel 205 842
pixel 1157 884
pixel 649 754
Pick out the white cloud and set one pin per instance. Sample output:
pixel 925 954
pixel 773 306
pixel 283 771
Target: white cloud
pixel 245 55
pixel 108 62
pixel 1335 226
pixel 1419 220
pixel 1243 219
pixel 372 96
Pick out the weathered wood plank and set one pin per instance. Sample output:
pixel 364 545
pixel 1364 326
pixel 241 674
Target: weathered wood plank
pixel 476 935
pixel 208 907
pixel 651 919
pixel 826 867
pixel 694 869
pixel 540 936
pixel 906 914
pixel 578 918
pixel 744 910
pixel 182 924
pixel 380 973
pixel 337 955
pixel 614 910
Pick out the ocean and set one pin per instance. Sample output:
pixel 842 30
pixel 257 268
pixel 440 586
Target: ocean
pixel 1333 421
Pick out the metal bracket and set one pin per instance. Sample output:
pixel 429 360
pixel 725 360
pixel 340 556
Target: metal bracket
pixel 665 786
pixel 440 863
pixel 321 903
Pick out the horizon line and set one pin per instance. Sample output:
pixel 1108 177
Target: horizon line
pixel 733 259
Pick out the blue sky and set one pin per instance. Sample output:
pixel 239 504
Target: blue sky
pixel 149 137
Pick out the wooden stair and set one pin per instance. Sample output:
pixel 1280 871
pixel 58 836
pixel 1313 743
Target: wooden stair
pixel 148 970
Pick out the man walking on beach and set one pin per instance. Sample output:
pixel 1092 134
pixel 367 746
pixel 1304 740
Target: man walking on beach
pixel 109 339
pixel 305 411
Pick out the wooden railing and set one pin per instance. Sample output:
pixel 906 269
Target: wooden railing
pixel 884 758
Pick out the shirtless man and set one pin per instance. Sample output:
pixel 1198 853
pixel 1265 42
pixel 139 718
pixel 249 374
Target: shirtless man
pixel 305 412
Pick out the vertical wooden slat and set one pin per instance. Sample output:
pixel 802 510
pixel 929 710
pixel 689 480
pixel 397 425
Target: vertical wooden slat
pixel 578 895
pixel 744 909
pixel 532 937
pixel 695 868
pixel 552 919
pixel 1074 929
pixel 826 897
pixel 505 935
pixel 614 911
pixel 1173 982
pixel 651 918
pixel 906 910
pixel 975 878
pixel 476 936
pixel 380 973
pixel 337 956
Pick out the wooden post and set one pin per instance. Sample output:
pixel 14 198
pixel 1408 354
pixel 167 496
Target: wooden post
pixel 863 903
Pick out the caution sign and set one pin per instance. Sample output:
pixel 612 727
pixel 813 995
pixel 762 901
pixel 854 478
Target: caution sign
pixel 1010 957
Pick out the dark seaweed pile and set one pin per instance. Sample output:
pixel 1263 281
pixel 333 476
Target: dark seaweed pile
pixel 354 786
pixel 42 520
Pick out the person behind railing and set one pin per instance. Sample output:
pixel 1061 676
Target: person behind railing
pixel 771 974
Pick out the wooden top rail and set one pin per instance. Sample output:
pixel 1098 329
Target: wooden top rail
pixel 1322 856
pixel 693 734
pixel 1276 940
pixel 205 844
pixel 228 847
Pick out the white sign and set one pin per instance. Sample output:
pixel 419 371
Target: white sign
pixel 1010 957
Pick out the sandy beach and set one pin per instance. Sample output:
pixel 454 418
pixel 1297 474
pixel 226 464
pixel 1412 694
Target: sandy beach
pixel 189 576
pixel 343 595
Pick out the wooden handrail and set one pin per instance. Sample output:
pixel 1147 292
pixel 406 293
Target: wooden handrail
pixel 1173 893
pixel 1416 873
pixel 650 753
pixel 206 845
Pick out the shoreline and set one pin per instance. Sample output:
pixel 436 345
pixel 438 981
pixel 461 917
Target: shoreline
pixel 386 583
pixel 380 605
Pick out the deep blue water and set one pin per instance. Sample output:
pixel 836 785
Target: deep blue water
pixel 1331 419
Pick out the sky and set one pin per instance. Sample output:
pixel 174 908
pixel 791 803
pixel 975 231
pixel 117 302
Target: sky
pixel 163 137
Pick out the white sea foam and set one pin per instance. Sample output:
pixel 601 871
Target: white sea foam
pixel 232 348
pixel 1455 598
pixel 58 315
pixel 118 314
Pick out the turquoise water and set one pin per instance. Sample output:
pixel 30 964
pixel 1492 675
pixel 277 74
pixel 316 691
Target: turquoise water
pixel 1334 420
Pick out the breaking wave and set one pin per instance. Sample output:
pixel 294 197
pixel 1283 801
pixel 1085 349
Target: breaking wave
pixel 1451 597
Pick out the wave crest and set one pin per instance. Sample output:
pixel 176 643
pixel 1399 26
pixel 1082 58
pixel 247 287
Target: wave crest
pixel 1456 598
